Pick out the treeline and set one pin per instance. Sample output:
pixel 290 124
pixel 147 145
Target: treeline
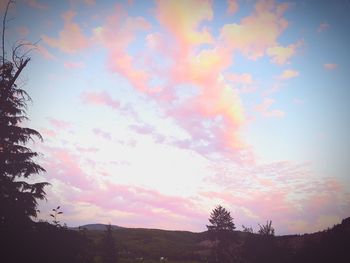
pixel 228 246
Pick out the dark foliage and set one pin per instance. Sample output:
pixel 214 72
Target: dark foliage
pixel 56 212
pixel 108 247
pixel 332 245
pixel 267 229
pixel 42 243
pixel 18 197
pixel 221 233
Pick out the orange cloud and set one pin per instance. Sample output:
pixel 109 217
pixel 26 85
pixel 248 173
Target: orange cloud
pixel 214 115
pixel 71 39
pixel 264 109
pixel 288 74
pixel 281 55
pixel 216 103
pixel 182 19
pixel 232 6
pixel 257 32
pixel 330 66
pixel 244 82
pixel 244 78
pixel 118 32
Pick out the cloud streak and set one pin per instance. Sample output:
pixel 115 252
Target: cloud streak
pixel 101 98
pixel 71 39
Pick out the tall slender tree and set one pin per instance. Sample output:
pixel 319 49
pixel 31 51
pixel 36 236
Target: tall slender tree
pixel 220 232
pixel 18 196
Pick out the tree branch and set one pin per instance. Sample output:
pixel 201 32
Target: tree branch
pixel 3 31
pixel 18 72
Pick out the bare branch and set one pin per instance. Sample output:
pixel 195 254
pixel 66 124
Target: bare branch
pixel 3 30
pixel 18 57
pixel 18 72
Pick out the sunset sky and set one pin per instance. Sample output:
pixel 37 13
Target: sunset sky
pixel 154 112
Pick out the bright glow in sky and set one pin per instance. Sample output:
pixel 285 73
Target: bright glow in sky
pixel 153 112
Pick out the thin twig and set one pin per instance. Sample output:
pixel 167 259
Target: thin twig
pixel 3 31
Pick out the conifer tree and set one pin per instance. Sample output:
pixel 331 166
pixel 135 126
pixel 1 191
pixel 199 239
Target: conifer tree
pixel 220 232
pixel 18 195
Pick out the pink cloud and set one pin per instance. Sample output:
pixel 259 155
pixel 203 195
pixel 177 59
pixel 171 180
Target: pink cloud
pixel 71 39
pixel 330 66
pixel 282 191
pixel 146 204
pixel 99 98
pixel 77 184
pixel 243 82
pixel 87 149
pixel 73 65
pixel 142 129
pixel 215 126
pixel 323 27
pixel 44 52
pixel 188 31
pixel 36 4
pixel 59 124
pixel 264 109
pixel 146 129
pixel 102 133
pixel 232 6
pixel 201 69
pixel 48 132
pixel 66 167
pixel 257 32
pixel 117 33
pixel 245 78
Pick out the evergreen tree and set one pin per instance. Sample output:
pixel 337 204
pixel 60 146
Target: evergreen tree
pixel 18 196
pixel 220 232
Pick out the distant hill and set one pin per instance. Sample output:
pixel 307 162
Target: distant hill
pixel 331 245
pixel 95 227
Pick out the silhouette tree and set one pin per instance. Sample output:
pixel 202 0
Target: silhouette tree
pixel 220 232
pixel 267 229
pixel 247 229
pixel 18 196
pixel 56 212
pixel 108 249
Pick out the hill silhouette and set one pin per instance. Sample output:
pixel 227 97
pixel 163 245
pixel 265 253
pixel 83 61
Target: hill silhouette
pixel 100 227
pixel 331 245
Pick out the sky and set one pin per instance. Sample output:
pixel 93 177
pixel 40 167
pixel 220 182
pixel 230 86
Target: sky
pixel 154 112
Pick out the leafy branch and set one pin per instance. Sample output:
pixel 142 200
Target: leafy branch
pixel 56 212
